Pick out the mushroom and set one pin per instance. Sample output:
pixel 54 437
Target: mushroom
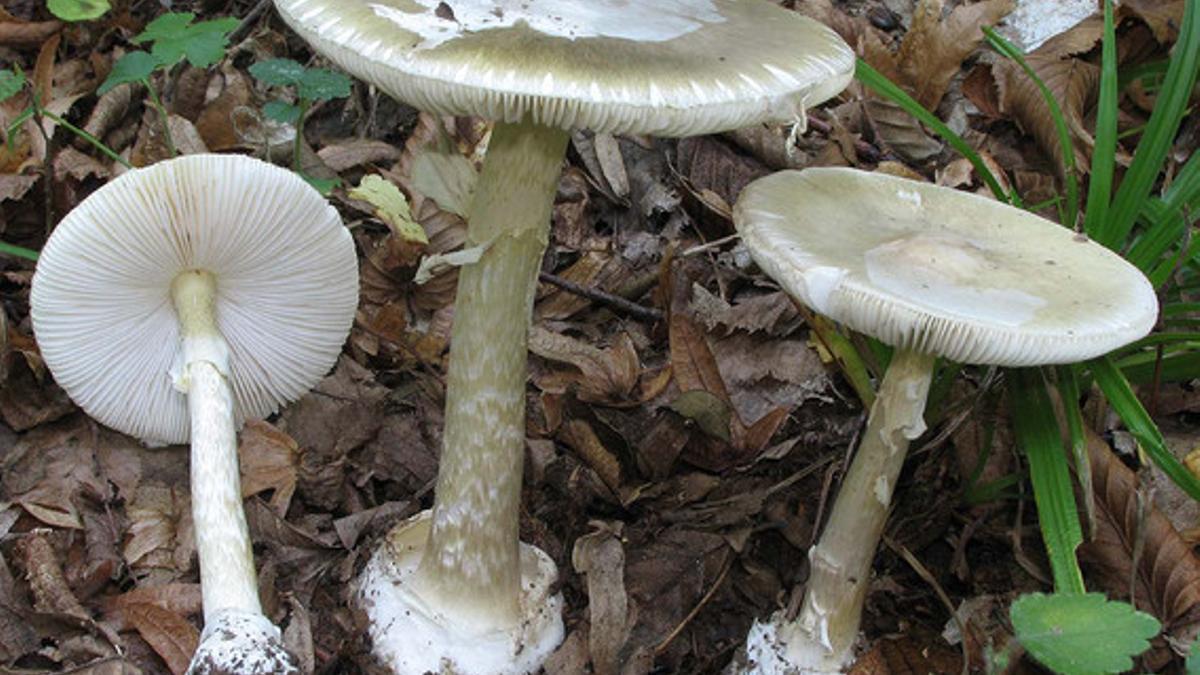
pixel 537 68
pixel 935 273
pixel 177 301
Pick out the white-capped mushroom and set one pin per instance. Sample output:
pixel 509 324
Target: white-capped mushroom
pixel 538 68
pixel 935 273
pixel 177 301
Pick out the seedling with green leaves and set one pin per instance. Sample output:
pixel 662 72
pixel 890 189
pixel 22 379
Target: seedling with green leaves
pixel 312 85
pixel 173 38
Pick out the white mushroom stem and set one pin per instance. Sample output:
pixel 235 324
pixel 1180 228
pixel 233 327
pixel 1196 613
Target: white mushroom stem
pixel 227 579
pixel 821 638
pixel 471 565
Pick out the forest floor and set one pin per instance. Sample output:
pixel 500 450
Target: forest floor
pixel 673 525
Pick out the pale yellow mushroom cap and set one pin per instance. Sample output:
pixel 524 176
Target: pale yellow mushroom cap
pixel 286 276
pixel 942 271
pixel 668 67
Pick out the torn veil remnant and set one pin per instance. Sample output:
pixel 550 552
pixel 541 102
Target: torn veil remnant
pixel 455 590
pixel 177 301
pixel 935 273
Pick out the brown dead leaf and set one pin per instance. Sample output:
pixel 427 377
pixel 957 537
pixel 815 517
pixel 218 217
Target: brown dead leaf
pixel 268 459
pixel 603 374
pixel 601 557
pixel 111 107
pixel 159 542
pixel 901 131
pixel 580 437
pixel 934 48
pixel 172 636
pixel 178 598
pixel 27 33
pixel 1074 84
pixel 218 120
pixel 51 593
pixel 350 153
pixel 760 313
pixel 14 187
pixel 1163 16
pixel 1166 581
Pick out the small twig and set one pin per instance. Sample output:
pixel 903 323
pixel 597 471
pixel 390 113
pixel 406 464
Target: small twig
pixel 725 567
pixel 613 301
pixel 249 20
pixel 715 243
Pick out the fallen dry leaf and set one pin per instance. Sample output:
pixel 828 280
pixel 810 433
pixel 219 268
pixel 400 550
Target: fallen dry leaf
pixel 603 374
pixel 268 459
pixel 172 636
pixel 600 556
pixel 1074 84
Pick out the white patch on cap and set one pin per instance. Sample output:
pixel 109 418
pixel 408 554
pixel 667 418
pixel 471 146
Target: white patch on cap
pixel 622 19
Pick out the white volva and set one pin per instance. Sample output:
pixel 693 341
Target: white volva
pixel 175 302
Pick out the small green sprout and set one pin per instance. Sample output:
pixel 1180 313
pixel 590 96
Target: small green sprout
pixel 312 85
pixel 173 38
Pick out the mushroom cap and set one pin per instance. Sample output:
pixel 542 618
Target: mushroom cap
pixel 941 271
pixel 669 67
pixel 286 276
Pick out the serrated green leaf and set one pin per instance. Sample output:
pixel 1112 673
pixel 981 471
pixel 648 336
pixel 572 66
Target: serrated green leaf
pixel 78 10
pixel 169 26
pixel 1081 633
pixel 11 82
pixel 278 72
pixel 319 84
pixel 282 112
pixel 391 207
pixel 133 67
pixel 175 37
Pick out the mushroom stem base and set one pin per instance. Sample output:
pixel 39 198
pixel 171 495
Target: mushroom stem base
pixel 413 633
pixel 821 639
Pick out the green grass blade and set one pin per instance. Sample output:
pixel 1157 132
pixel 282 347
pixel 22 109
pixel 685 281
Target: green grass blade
pixel 1070 209
pixel 1067 378
pixel 1121 397
pixel 1141 368
pixel 1105 151
pixel 884 87
pixel 1038 435
pixel 1165 217
pixel 18 251
pixel 1168 112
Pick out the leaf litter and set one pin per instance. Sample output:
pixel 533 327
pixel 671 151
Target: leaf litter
pixel 680 454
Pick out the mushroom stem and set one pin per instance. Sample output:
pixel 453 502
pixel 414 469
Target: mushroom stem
pixel 227 579
pixel 471 563
pixel 822 636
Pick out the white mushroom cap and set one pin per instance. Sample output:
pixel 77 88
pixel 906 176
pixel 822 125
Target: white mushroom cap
pixel 668 67
pixel 941 271
pixel 286 275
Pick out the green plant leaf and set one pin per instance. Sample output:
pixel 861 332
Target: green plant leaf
pixel 175 37
pixel 1193 659
pixel 319 84
pixel 1081 633
pixel 391 206
pixel 1037 433
pixel 706 410
pixel 18 251
pixel 1100 185
pixel 133 67
pixel 323 185
pixel 278 72
pixel 78 10
pixel 282 112
pixel 1126 404
pixel 11 83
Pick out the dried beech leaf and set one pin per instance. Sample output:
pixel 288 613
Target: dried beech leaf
pixel 1167 578
pixel 901 131
pixel 1163 16
pixel 600 556
pixel 268 459
pixel 933 49
pixel 170 635
pixel 1074 84
pixel 604 374
pixel 580 437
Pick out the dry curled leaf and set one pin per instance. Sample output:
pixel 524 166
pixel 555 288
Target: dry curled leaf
pixel 600 556
pixel 1166 581
pixel 170 635
pixel 603 374
pixel 1074 84
pixel 268 459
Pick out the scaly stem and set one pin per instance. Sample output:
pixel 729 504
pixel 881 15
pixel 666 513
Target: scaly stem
pixel 227 579
pixel 471 563
pixel 823 634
